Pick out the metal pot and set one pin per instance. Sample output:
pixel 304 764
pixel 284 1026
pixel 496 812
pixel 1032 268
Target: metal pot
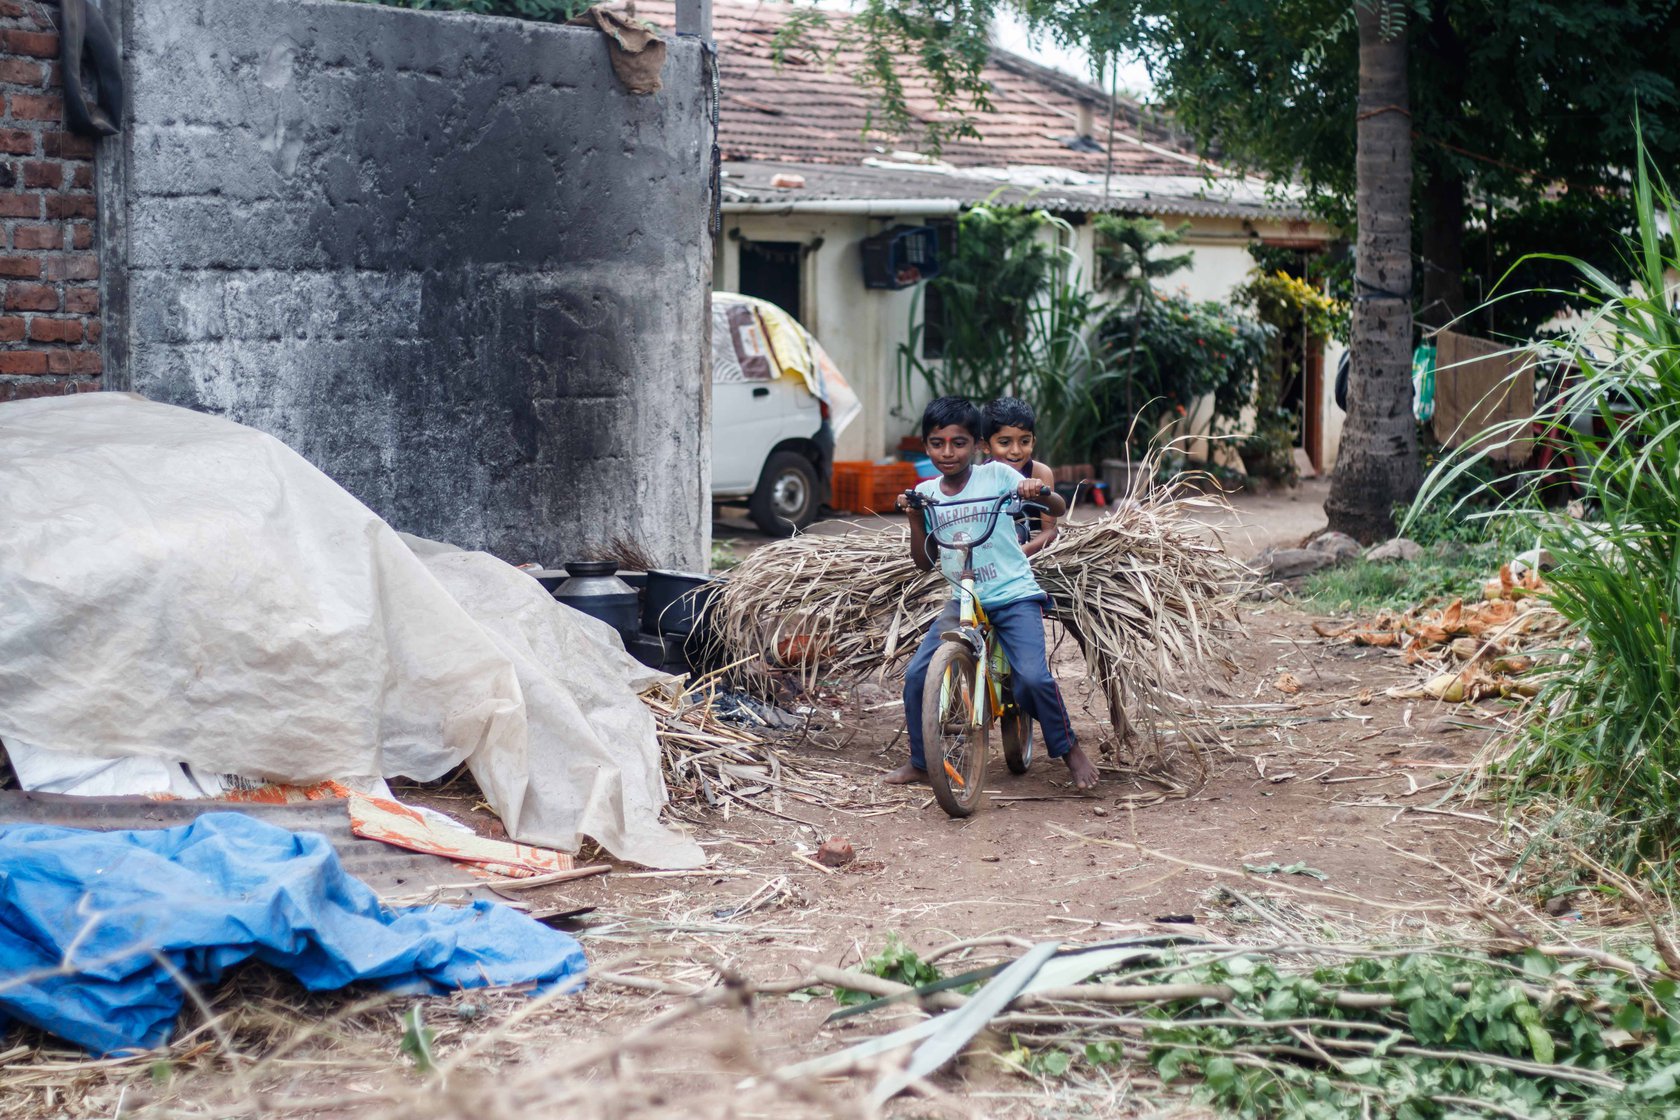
pixel 550 578
pixel 593 589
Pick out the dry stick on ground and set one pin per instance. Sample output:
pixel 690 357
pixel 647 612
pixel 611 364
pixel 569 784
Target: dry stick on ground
pixel 541 1080
pixel 1212 869
pixel 707 759
pixel 551 878
pixel 977 943
pixel 1039 1010
pixel 1660 938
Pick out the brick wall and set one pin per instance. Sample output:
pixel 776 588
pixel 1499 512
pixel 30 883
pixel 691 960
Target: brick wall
pixel 49 267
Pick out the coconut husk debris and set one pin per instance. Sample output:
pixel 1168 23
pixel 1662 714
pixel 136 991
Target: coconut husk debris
pixel 1146 591
pixel 1474 650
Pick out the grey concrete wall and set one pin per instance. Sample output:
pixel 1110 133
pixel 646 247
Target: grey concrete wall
pixel 447 258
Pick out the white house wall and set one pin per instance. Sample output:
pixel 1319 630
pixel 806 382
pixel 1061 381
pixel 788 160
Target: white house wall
pixel 1331 416
pixel 862 329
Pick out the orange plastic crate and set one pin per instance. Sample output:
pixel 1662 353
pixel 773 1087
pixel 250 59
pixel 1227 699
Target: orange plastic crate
pixel 864 488
pixel 889 481
pixel 852 483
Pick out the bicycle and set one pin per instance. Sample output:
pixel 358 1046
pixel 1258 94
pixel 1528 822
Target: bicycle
pixel 967 687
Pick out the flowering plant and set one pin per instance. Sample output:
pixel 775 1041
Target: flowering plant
pixel 1176 351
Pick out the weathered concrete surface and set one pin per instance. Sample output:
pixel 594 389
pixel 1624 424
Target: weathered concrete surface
pixel 447 258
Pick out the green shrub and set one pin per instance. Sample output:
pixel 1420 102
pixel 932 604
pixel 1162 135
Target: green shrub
pixel 1012 319
pixel 1295 311
pixel 1606 732
pixel 1470 502
pixel 896 962
pixel 1170 351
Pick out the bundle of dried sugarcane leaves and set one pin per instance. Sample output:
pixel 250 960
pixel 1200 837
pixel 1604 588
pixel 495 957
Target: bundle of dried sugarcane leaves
pixel 1146 590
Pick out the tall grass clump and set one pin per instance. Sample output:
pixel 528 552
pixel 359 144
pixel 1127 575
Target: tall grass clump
pixel 1605 737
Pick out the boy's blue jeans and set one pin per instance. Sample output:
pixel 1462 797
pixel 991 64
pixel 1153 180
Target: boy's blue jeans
pixel 1020 627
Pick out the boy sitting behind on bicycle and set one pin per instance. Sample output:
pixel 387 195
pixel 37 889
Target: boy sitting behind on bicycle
pixel 1010 440
pixel 1004 584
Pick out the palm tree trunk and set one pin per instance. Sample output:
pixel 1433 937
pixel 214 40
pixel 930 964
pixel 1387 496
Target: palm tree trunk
pixel 1442 242
pixel 1441 195
pixel 1377 463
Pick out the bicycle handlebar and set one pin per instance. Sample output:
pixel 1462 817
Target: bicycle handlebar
pixel 918 500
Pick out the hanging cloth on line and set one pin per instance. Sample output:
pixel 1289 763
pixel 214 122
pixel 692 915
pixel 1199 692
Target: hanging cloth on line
pixel 1423 382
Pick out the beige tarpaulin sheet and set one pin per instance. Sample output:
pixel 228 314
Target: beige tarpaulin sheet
pixel 181 590
pixel 1479 384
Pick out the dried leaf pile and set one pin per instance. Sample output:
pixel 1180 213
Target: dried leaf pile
pixel 264 1050
pixel 1144 591
pixel 710 761
pixel 1473 651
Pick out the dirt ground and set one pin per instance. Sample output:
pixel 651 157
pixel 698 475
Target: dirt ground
pixel 1305 760
pixel 1315 776
pixel 1337 776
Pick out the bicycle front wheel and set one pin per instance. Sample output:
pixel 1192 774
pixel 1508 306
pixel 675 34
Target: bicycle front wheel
pixel 954 745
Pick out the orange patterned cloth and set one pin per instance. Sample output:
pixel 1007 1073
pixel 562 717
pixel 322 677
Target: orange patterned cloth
pixel 376 818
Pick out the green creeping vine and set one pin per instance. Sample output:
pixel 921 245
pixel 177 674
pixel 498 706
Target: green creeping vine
pixel 1422 1035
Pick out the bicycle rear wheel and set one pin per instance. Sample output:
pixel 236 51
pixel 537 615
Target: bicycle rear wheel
pixel 954 746
pixel 1016 730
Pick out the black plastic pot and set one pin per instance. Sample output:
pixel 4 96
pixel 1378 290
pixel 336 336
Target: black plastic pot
pixel 664 654
pixel 675 601
pixel 593 589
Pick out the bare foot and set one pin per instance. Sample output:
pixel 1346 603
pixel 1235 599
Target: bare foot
pixel 1080 766
pixel 908 775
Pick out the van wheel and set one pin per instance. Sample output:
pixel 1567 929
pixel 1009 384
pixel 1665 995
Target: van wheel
pixel 787 496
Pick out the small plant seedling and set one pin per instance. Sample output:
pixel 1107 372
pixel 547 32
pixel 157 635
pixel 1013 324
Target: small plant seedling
pixel 897 962
pixel 417 1040
pixel 1039 1063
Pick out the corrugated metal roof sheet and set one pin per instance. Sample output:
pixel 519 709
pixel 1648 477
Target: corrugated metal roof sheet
pixel 1050 188
pixel 394 873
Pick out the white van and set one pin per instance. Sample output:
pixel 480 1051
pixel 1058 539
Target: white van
pixel 778 401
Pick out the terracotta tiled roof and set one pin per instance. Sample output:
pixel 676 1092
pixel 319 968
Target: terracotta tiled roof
pixel 811 108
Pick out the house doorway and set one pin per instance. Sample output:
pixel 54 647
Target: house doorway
pixel 770 270
pixel 1302 382
pixel 1311 404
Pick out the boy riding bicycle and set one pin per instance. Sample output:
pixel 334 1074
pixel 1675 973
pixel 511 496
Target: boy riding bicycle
pixel 1011 440
pixel 951 431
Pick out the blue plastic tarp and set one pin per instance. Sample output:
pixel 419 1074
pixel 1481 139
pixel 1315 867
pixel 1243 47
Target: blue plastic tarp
pixel 96 926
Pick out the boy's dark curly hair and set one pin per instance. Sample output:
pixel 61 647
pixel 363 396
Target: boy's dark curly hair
pixel 1008 412
pixel 946 411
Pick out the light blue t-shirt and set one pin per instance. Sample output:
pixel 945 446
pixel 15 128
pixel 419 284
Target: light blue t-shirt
pixel 1001 574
